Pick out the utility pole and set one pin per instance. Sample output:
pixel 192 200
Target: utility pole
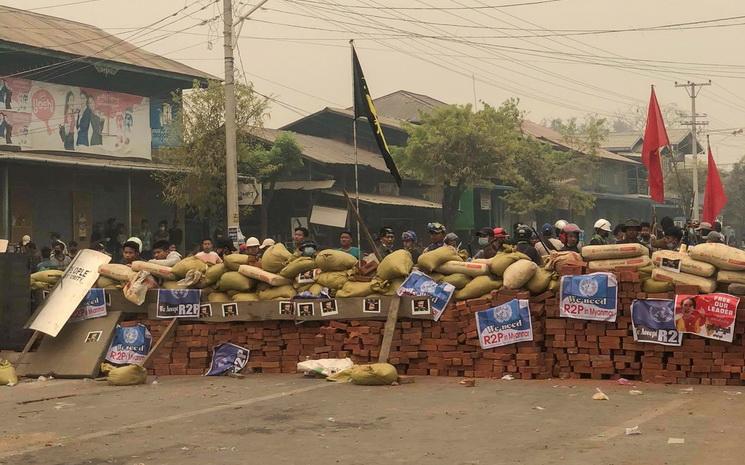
pixel 693 88
pixel 231 156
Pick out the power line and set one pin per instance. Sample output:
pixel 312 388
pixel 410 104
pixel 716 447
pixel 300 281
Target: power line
pixel 61 5
pixel 506 5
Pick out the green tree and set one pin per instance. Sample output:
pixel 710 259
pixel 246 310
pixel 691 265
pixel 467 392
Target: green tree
pixel 455 147
pixel 267 165
pixel 583 140
pixel 197 180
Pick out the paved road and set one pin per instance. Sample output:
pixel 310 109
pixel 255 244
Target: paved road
pixel 287 419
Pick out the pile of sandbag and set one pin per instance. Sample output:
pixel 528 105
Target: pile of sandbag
pixel 618 257
pixel 44 280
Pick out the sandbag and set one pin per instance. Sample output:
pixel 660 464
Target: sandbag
pixel 245 297
pixel 297 266
pixel 187 264
pixel 478 286
pixel 128 375
pixel 736 289
pixel 396 265
pixel 687 264
pixel 437 277
pixel 652 286
pixel 280 292
pixel 8 375
pixel 48 276
pixel 393 286
pixel 519 273
pixel 355 289
pixel 332 279
pixel 376 374
pixel 722 256
pixel 218 297
pixel 499 263
pixel 554 285
pixel 468 268
pixel 234 260
pixel 275 258
pixel 40 286
pixel 429 261
pixel 172 285
pixel 121 273
pixel 103 282
pixel 334 260
pixel 459 280
pixel 160 271
pixel 235 281
pixel 557 261
pixel 611 251
pixel 316 289
pixel 263 275
pixel 540 281
pixel 726 276
pixel 300 288
pixel 705 285
pixel 214 272
pixel 136 289
pixel 614 264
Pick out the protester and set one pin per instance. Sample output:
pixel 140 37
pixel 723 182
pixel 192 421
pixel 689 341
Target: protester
pixel 523 245
pixel 268 242
pixel 673 238
pixel 602 231
pixel 32 254
pixel 175 234
pixel 645 234
pixel 45 263
pixel 300 235
pixel 345 244
pixel 252 249
pixel 162 254
pixel 224 247
pixel 131 250
pixel 618 234
pixel 72 249
pixel 162 233
pixel 146 236
pixel 631 231
pixel 408 239
pixel 23 245
pixel 547 234
pixel 386 239
pixel 484 238
pixel 717 226
pixel 436 236
pixel 100 246
pixel 308 249
pixel 702 231
pixel 572 232
pixel 58 259
pixel 715 238
pixel 207 254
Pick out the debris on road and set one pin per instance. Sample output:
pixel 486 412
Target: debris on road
pixel 507 378
pixel 538 407
pixel 599 395
pixel 623 381
pixel 676 441
pixel 633 431
pixel 468 382
pixel 635 392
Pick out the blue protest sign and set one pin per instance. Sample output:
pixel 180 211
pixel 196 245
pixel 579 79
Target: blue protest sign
pixel 504 324
pixel 419 284
pixel 178 303
pixel 92 306
pixel 653 320
pixel 130 345
pixel 589 297
pixel 227 357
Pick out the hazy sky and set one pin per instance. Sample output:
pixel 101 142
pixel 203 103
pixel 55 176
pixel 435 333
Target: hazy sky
pixel 297 51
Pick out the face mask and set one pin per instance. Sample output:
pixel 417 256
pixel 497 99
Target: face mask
pixel 483 241
pixel 308 251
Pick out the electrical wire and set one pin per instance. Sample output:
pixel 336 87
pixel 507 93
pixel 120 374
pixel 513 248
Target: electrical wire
pixel 505 5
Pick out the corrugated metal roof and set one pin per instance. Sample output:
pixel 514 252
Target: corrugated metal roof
pixel 304 185
pixel 82 40
pixel 553 137
pixel 398 200
pixel 327 151
pixel 622 141
pixel 405 106
pixel 92 162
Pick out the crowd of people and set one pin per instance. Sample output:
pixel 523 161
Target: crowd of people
pixel 160 247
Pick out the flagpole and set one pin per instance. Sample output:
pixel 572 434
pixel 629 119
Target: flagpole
pixel 354 141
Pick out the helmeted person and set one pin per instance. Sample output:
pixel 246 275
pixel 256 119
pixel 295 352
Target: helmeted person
pixel 308 249
pixel 547 234
pixel 386 238
pixel 632 228
pixel 496 238
pixel 602 231
pixel 572 232
pixel 559 230
pixel 673 238
pixel 523 234
pixel 408 239
pixel 436 236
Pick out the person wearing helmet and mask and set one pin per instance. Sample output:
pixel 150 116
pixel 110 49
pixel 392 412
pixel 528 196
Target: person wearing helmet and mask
pixel 631 231
pixel 602 231
pixel 547 234
pixel 436 236
pixel 385 241
pixel 495 242
pixel 522 237
pixel 408 239
pixel 571 232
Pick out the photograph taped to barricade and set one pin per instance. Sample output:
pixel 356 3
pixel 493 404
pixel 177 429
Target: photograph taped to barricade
pixel 286 307
pixel 178 303
pixel 205 311
pixel 504 324
pixel 92 306
pixel 418 284
pixel 653 321
pixel 708 315
pixel 589 297
pixel 304 309
pixel 421 306
pixel 371 305
pixel 229 310
pixel 329 308
pixel 93 336
pixel 671 264
pixel 307 277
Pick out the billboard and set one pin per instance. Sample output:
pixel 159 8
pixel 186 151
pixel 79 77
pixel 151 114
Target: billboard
pixel 37 115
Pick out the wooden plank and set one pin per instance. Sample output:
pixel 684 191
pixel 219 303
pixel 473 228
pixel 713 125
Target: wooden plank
pixel 169 329
pixel 362 225
pixel 390 328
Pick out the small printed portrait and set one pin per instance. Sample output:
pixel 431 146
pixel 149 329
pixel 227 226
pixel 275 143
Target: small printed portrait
pixel 371 305
pixel 328 307
pixel 205 311
pixel 420 306
pixel 93 336
pixel 305 309
pixel 286 308
pixel 229 310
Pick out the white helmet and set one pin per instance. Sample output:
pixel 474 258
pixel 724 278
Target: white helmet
pixel 560 224
pixel 603 224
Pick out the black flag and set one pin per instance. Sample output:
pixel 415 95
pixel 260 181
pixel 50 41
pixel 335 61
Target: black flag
pixel 363 106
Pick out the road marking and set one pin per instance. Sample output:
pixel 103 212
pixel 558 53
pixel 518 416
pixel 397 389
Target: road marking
pixel 620 430
pixel 167 419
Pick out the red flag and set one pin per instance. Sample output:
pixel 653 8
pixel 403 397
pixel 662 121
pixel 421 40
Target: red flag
pixel 655 137
pixel 714 196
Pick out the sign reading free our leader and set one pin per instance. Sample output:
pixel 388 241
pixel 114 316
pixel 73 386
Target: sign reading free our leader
pixel 589 297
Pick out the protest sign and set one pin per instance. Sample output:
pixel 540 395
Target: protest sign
pixel 227 357
pixel 708 315
pixel 504 324
pixel 92 306
pixel 130 345
pixel 589 297
pixel 78 278
pixel 178 303
pixel 653 321
pixel 418 284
